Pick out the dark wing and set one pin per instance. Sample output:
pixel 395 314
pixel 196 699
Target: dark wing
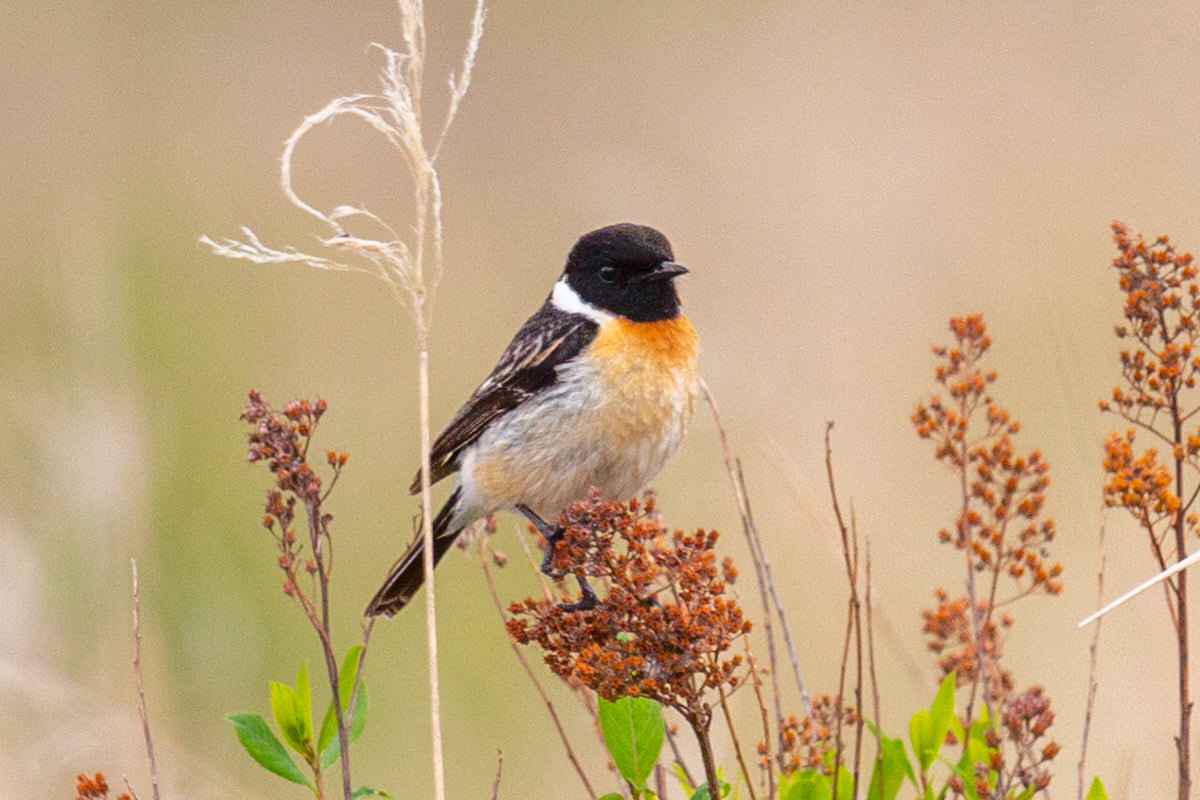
pixel 549 338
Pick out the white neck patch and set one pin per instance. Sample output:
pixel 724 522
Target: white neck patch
pixel 564 298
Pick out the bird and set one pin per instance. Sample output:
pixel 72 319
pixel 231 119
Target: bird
pixel 595 390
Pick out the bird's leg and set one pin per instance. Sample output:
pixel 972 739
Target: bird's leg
pixel 553 535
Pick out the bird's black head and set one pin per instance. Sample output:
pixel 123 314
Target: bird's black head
pixel 626 270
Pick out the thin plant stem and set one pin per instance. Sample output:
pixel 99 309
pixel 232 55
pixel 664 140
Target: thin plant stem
pixel 849 537
pixel 558 726
pixel 965 532
pixel 141 690
pixel 660 781
pixel 679 762
pixel 737 745
pixel 431 642
pixel 871 665
pixel 499 771
pixel 395 112
pixel 318 537
pixel 1093 651
pixel 699 721
pixel 762 572
pixel 768 762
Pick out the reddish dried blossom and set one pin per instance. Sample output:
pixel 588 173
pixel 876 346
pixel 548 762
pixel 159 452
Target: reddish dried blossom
pixel 808 741
pixel 1023 719
pixel 1162 312
pixel 94 787
pixel 1002 524
pixel 281 439
pixel 948 631
pixel 664 623
pixel 1026 718
pixel 1162 307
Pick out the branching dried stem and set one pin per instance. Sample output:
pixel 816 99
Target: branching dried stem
pixel 141 690
pixel 499 772
pixel 849 537
pixel 768 763
pixel 395 112
pixel 871 664
pixel 737 745
pixel 1000 526
pixel 763 575
pixel 1159 371
pixel 484 558
pixel 283 439
pixel 1093 650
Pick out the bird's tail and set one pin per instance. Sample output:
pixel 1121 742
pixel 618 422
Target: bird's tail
pixel 408 573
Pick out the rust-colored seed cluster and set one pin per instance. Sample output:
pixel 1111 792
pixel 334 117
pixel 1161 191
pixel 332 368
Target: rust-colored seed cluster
pixel 1162 309
pixel 1003 525
pixel 949 633
pixel 808 741
pixel 1024 720
pixel 1006 538
pixel 94 787
pixel 281 439
pixel 664 624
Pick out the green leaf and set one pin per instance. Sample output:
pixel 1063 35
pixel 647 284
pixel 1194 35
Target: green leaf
pixel 633 731
pixel 890 770
pixel 284 704
pixel 784 783
pixel 810 784
pixel 1028 794
pixel 701 792
pixel 845 783
pixel 611 796
pixel 303 697
pixel 1096 790
pixel 927 729
pixel 345 687
pixel 327 742
pixel 920 734
pixel 262 745
pixel 942 710
pixel 367 791
pixel 333 751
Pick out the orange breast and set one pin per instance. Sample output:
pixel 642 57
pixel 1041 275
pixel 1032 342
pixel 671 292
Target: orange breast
pixel 665 347
pixel 648 370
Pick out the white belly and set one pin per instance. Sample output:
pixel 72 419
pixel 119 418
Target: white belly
pixel 610 431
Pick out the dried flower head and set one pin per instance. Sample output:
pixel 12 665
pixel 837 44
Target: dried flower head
pixel 94 787
pixel 281 439
pixel 664 624
pixel 1002 524
pixel 808 741
pixel 948 632
pixel 1162 312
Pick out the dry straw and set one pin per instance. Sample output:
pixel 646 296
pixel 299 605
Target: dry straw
pixel 396 112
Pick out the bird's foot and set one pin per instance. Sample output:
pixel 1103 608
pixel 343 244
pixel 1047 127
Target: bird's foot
pixel 553 534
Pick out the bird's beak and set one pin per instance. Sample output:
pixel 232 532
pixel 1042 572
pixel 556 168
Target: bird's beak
pixel 663 272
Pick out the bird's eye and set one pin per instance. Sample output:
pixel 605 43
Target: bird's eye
pixel 608 274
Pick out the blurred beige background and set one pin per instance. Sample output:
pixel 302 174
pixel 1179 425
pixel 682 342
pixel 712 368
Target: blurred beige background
pixel 840 177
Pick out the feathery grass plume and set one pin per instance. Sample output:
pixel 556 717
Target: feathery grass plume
pixel 396 112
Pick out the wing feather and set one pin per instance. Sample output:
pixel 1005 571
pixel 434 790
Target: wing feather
pixel 529 365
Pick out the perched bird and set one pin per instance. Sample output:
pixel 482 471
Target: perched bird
pixel 595 390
